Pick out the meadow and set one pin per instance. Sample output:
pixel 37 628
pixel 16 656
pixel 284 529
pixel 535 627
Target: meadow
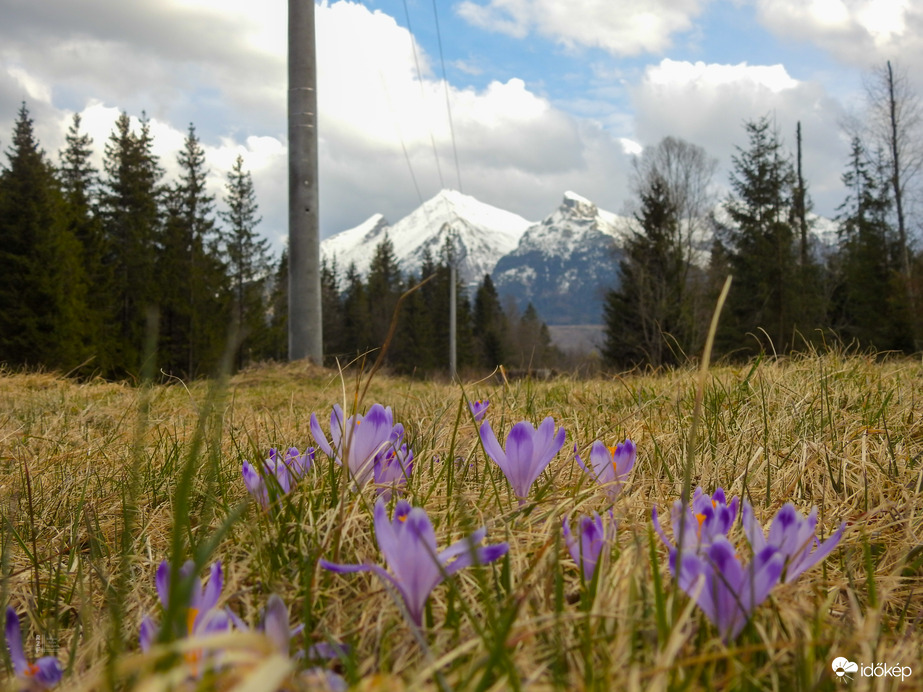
pixel 102 482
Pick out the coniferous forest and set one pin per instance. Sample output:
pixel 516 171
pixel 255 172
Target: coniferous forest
pixel 793 289
pixel 100 270
pixel 115 271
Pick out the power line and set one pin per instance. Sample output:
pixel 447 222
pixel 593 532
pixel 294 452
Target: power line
pixel 400 135
pixel 416 60
pixel 448 106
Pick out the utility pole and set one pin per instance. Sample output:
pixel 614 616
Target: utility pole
pixel 304 290
pixel 453 339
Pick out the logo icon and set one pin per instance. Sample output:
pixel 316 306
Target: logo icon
pixel 842 666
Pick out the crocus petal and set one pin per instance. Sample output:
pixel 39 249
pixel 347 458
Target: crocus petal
pixel 147 633
pixel 162 581
pixel 481 555
pixel 319 438
pixel 460 547
pixel 547 444
pixel 338 430
pixel 752 528
pixel 806 560
pixel 520 453
pixel 14 642
pixel 48 672
pixel 493 448
pixel 601 463
pixel 478 409
pixel 213 621
pixel 386 529
pixel 275 623
pixel 212 592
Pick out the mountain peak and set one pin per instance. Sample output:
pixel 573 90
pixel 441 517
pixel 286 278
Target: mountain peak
pixel 482 234
pixel 579 206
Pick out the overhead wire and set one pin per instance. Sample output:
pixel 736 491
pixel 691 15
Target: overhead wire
pixel 416 60
pixel 448 105
pixel 400 135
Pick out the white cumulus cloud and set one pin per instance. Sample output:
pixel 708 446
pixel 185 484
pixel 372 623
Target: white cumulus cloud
pixel 859 32
pixel 621 28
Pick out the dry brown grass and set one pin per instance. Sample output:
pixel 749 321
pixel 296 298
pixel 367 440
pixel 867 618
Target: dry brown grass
pixel 842 433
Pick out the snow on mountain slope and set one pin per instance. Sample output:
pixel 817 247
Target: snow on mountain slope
pixel 356 244
pixel 483 234
pixel 564 264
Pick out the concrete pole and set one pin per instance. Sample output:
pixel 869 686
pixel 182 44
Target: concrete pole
pixel 305 338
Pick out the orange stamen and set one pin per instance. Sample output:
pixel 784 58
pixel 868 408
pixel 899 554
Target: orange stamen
pixel 31 669
pixel 701 520
pixel 192 657
pixel 191 615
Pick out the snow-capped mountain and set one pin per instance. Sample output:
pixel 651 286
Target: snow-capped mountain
pixel 483 234
pixel 564 264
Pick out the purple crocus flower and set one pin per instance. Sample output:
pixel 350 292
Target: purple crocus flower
pixel 479 409
pixel 793 536
pixel 202 615
pixel 392 469
pixel 593 537
pixel 528 452
pixel 285 470
pixel 275 624
pixel 356 441
pixel 610 466
pixel 44 674
pixel 708 517
pixel 730 592
pixel 408 543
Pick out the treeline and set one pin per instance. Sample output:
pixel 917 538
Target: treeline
pixel 99 269
pixel 358 314
pixel 102 269
pixel 791 289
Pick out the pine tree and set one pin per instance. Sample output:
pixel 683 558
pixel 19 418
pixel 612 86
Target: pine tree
pixel 130 209
pixel 42 289
pixel 247 256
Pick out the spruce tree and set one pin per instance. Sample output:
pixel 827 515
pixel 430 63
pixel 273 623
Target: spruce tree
pixel 761 249
pixel 532 341
pixel 131 213
pixel 206 280
pixel 645 314
pixel 383 290
pixel 491 329
pixel 274 343
pixel 79 181
pixel 335 347
pixel 248 258
pixel 357 335
pixel 870 303
pixel 42 286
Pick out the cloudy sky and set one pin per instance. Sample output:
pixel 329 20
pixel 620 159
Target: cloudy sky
pixel 543 95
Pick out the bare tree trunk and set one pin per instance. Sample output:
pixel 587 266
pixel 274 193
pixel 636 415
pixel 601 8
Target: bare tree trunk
pixel 800 203
pixel 896 182
pixel 304 296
